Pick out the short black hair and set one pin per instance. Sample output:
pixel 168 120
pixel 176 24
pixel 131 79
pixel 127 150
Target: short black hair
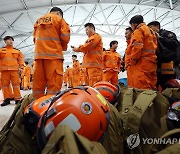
pixel 137 19
pixel 26 62
pixel 8 37
pixel 113 42
pixel 56 9
pixel 154 23
pixel 74 56
pixel 129 28
pixel 90 25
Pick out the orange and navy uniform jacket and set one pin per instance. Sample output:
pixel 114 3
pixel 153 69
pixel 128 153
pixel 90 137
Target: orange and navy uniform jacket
pixel 11 58
pixel 51 40
pixel 126 60
pixel 111 60
pixel 92 49
pixel 70 76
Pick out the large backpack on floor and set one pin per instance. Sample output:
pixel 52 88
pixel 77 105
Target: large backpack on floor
pixel 64 140
pixel 14 138
pixel 168 148
pixel 141 113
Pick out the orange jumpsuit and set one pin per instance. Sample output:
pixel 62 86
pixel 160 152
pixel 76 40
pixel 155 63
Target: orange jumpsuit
pixel 69 73
pixel 51 36
pixel 11 60
pixel 141 57
pixel 128 67
pixel 10 93
pixel 82 76
pixel 65 78
pixel 111 66
pixel 26 77
pixel 76 73
pixel 92 60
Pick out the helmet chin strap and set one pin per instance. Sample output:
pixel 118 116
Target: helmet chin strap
pixel 41 137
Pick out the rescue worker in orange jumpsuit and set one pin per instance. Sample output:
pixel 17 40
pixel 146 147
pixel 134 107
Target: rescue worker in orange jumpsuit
pixel 51 36
pixel 26 76
pixel 92 49
pixel 82 75
pixel 65 79
pixel 141 53
pixel 12 61
pixel 75 70
pixel 111 64
pixel 69 72
pixel 169 40
pixel 128 34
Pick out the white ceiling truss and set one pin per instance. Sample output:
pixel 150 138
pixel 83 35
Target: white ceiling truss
pixel 110 17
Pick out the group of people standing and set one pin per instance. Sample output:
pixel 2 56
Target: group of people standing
pixel 146 65
pixel 111 66
pixel 51 37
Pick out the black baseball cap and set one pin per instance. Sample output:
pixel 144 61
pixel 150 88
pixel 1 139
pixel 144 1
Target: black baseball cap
pixel 8 37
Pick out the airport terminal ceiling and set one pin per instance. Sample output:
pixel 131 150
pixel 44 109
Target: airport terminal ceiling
pixel 110 17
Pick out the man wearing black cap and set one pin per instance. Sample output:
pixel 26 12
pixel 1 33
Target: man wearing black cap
pixel 12 61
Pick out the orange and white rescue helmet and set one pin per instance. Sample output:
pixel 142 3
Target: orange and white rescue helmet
pixel 173 83
pixel 83 109
pixel 109 91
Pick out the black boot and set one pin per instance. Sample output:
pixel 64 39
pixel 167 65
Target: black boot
pixel 6 102
pixel 17 101
pixel 11 99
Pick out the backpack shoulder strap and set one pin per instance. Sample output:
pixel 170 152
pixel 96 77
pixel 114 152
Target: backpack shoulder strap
pixel 127 103
pixel 113 139
pixel 143 101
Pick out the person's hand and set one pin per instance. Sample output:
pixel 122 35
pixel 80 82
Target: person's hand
pixel 20 70
pixel 157 34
